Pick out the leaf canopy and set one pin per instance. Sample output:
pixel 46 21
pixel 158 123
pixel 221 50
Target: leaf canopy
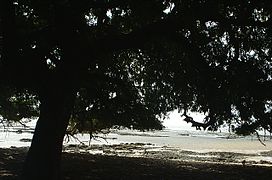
pixel 133 61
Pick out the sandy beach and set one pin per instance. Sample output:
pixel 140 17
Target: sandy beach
pixel 131 154
pixel 177 145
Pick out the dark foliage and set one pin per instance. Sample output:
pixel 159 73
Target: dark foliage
pixel 131 62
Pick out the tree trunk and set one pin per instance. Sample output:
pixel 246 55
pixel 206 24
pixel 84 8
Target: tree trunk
pixel 44 156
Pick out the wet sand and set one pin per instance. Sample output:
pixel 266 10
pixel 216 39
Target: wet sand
pixel 123 162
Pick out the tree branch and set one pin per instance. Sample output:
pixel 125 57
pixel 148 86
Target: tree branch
pixel 138 37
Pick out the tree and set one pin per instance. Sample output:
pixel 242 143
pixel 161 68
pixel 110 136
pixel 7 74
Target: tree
pixel 130 62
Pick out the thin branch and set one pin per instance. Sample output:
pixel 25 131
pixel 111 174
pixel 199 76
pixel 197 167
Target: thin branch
pixel 96 138
pixel 68 135
pixel 191 120
pixel 259 138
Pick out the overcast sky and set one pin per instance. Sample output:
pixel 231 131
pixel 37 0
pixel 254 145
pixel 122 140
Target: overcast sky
pixel 175 122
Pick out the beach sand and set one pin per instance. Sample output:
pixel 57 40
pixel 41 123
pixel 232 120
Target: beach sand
pixel 123 162
pixel 168 154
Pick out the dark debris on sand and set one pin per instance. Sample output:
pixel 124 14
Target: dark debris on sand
pixel 83 166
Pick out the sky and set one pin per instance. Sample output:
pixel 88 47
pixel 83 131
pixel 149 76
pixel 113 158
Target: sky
pixel 175 121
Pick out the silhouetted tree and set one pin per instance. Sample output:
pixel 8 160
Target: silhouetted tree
pixel 116 62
